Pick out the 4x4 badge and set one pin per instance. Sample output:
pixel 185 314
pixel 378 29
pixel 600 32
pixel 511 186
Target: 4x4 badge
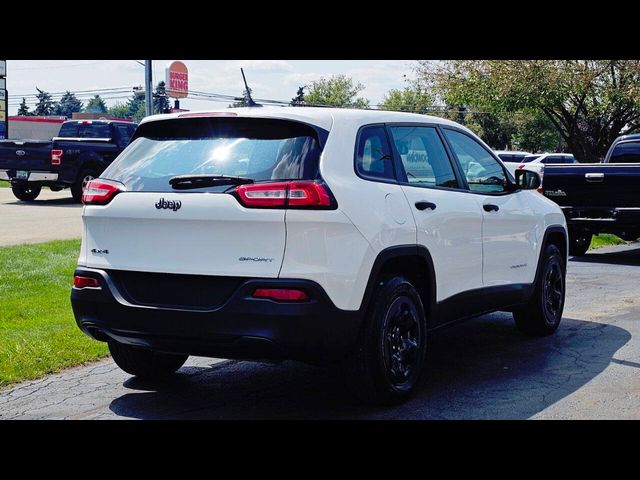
pixel 168 204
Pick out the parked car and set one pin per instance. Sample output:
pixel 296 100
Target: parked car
pixel 599 197
pixel 536 163
pixel 511 159
pixel 80 152
pixel 312 234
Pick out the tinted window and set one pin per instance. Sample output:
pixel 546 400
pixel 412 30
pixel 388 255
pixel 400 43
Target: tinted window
pixel 553 159
pixel 261 149
pixel 94 130
pixel 511 157
pixel 628 152
pixel 125 133
pixel 423 156
pixel 68 130
pixel 530 158
pixel 483 172
pixel 373 155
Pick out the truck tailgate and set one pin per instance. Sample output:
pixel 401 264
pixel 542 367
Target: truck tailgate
pixel 593 185
pixel 25 155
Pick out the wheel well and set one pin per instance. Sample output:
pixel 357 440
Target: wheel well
pixel 416 269
pixel 93 165
pixel 559 240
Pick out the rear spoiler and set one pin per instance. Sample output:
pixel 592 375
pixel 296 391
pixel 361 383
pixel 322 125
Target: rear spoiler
pixel 82 139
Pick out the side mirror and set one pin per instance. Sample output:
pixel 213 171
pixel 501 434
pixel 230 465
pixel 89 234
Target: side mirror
pixel 528 180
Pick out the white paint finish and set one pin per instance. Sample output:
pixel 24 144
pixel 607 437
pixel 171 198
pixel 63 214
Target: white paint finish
pixel 510 239
pixel 207 236
pixel 453 235
pixel 326 247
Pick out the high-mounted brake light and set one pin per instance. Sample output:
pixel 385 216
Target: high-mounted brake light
pixel 281 294
pixel 56 157
pixel 101 192
pixel 85 282
pixel 301 194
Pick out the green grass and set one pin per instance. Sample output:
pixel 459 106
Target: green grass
pixel 5 185
pixel 605 240
pixel 38 334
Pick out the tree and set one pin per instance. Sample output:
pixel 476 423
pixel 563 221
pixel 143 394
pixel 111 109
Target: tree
pixel 45 103
pixel 535 133
pixel 68 104
pixel 589 102
pixel 299 98
pixel 96 105
pixel 244 101
pixel 161 102
pixel 119 110
pixel 133 104
pixel 336 91
pixel 23 111
pixel 413 99
pixel 140 113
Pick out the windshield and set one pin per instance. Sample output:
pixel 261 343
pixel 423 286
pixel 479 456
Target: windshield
pixel 627 152
pixel 256 149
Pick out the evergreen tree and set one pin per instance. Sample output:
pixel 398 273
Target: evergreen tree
pixel 96 105
pixel 23 111
pixel 299 98
pixel 68 104
pixel 160 99
pixel 45 103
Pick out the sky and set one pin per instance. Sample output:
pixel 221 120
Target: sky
pixel 269 79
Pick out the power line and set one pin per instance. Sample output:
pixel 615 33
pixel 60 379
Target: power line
pixel 63 66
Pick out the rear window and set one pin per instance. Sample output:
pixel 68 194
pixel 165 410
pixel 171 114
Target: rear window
pixel 260 149
pixel 85 130
pixel 628 152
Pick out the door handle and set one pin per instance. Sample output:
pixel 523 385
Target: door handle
pixel 423 205
pixel 594 177
pixel 490 208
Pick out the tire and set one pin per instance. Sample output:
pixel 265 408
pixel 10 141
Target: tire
pixel 395 322
pixel 84 176
pixel 542 315
pixel 145 363
pixel 26 193
pixel 579 242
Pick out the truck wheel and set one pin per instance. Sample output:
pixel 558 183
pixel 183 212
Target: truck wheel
pixel 387 360
pixel 579 243
pixel 145 363
pixel 85 177
pixel 26 193
pixel 542 315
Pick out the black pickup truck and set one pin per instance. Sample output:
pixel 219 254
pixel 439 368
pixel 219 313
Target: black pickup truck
pixel 80 152
pixel 599 197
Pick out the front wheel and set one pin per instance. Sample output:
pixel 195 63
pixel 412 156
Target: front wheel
pixel 26 193
pixel 145 363
pixel 542 315
pixel 579 242
pixel 388 359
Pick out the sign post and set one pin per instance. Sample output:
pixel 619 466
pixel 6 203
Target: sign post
pixel 177 82
pixel 4 115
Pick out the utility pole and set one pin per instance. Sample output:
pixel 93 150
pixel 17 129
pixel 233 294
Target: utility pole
pixel 148 88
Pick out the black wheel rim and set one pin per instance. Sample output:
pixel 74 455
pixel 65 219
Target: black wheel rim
pixel 553 292
pixel 402 340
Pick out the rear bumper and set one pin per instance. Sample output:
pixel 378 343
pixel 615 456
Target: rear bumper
pixel 36 177
pixel 242 327
pixel 602 218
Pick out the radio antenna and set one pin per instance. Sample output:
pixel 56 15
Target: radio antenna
pixel 250 102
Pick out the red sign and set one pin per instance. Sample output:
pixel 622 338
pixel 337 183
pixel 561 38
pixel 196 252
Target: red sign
pixel 177 80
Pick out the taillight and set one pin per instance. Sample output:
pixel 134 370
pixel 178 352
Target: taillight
pixel 101 192
pixel 300 194
pixel 281 294
pixel 56 157
pixel 85 282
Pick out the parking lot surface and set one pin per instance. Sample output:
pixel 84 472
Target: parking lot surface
pixel 52 216
pixel 480 369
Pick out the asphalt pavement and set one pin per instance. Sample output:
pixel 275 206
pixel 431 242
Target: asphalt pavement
pixel 480 369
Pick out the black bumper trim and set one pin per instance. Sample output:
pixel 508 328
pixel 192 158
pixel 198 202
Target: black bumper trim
pixel 242 327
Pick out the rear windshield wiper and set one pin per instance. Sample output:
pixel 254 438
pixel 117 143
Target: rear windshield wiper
pixel 185 182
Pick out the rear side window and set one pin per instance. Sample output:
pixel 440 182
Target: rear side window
pixel 628 152
pixel 423 156
pixel 125 133
pixel 260 149
pixel 373 153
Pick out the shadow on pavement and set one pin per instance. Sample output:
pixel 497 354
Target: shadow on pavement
pixel 629 257
pixel 481 369
pixel 51 202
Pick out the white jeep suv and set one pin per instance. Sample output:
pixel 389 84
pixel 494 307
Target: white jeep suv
pixel 320 235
